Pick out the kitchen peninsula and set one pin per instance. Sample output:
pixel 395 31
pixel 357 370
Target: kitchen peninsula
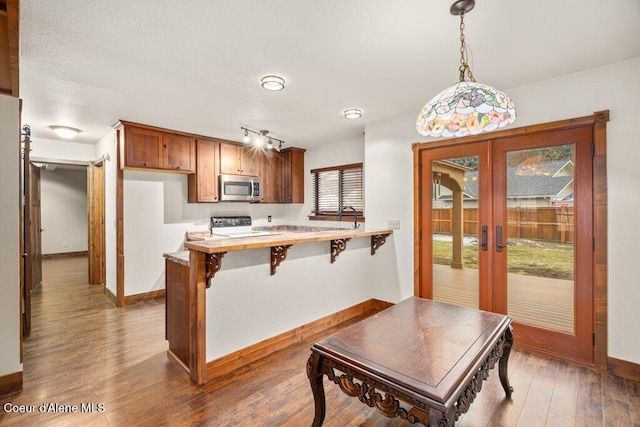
pixel 190 312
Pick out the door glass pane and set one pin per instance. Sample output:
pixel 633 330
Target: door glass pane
pixel 454 208
pixel 540 237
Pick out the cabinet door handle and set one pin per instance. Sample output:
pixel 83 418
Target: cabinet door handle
pixel 499 244
pixel 483 241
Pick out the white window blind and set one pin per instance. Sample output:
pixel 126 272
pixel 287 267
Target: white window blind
pixel 337 187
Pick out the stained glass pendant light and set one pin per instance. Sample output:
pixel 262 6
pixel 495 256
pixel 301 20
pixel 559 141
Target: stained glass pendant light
pixel 467 107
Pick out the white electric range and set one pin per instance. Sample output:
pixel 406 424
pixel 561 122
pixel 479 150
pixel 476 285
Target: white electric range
pixel 234 227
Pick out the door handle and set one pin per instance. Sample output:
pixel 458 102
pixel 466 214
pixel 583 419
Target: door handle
pixel 483 241
pixel 499 244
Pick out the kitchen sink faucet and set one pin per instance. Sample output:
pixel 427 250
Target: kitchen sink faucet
pixel 355 215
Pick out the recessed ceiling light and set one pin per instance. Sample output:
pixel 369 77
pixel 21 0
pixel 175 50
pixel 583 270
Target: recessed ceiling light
pixel 352 113
pixel 272 82
pixel 65 132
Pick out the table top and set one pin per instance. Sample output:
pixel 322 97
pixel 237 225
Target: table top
pixel 427 347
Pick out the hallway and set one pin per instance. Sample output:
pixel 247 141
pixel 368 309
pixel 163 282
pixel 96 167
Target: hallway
pixel 83 350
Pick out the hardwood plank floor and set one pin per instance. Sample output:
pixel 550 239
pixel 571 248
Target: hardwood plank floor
pixel 83 350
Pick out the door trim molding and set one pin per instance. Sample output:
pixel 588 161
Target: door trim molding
pixel 597 121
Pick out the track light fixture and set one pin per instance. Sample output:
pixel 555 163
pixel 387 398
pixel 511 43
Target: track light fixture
pixel 261 139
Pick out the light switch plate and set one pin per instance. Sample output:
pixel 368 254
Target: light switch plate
pixel 394 224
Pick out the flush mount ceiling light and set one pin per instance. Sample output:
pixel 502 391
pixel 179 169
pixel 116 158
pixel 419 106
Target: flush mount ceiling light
pixel 262 140
pixel 65 132
pixel 272 82
pixel 466 107
pixel 352 113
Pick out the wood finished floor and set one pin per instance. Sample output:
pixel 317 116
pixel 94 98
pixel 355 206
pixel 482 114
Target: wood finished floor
pixel 84 350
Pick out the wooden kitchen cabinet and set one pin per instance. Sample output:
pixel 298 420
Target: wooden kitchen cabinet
pixel 146 147
pixel 238 160
pixel 271 178
pixel 177 321
pixel 143 148
pixel 179 153
pixel 203 185
pixel 293 175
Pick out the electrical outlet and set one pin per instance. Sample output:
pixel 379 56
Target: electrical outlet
pixel 64 244
pixel 269 218
pixel 394 224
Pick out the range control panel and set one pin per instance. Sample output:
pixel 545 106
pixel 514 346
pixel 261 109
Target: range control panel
pixel 230 221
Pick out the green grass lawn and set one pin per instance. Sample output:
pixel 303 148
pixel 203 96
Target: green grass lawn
pixel 531 258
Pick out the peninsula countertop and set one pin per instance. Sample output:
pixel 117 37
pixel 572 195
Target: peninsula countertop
pixel 281 236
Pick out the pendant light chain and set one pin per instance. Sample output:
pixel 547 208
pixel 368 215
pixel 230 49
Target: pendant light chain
pixel 464 66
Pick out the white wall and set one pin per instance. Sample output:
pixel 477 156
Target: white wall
pixel 156 218
pixel 615 87
pixel 10 231
pixel 246 305
pixel 64 150
pixel 64 210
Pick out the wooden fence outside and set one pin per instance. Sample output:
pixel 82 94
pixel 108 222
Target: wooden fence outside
pixel 551 224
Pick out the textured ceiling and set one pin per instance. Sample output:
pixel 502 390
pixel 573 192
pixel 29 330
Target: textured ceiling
pixel 195 65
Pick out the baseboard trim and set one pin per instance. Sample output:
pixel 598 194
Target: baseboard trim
pixel 146 296
pixel 171 355
pixel 66 255
pixel 237 359
pixel 624 368
pixel 111 296
pixel 10 384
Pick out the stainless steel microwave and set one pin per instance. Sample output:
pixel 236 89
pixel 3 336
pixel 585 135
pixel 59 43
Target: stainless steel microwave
pixel 239 188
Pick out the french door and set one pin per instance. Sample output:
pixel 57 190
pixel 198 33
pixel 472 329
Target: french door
pixel 507 226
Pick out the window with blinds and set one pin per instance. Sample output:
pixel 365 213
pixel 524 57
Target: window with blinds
pixel 335 188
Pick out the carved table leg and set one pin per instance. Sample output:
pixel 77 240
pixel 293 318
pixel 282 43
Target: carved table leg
pixel 315 379
pixel 504 360
pixel 439 419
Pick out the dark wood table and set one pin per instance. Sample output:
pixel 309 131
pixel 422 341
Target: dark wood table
pixel 431 356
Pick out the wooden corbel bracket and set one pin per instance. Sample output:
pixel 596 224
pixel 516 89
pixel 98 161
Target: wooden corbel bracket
pixel 377 240
pixel 337 246
pixel 214 263
pixel 278 254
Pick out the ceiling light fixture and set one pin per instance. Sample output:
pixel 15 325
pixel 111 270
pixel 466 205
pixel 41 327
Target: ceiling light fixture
pixel 65 132
pixel 352 113
pixel 246 139
pixel 262 139
pixel 466 107
pixel 272 82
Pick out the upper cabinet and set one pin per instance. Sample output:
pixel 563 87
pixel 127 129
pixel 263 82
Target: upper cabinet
pixel 293 175
pixel 204 159
pixel 179 153
pixel 238 160
pixel 271 178
pixel 145 147
pixel 203 185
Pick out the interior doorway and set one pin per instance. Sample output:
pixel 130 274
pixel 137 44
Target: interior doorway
pixel 506 224
pixel 92 176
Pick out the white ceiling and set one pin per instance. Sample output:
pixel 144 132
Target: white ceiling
pixel 195 65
